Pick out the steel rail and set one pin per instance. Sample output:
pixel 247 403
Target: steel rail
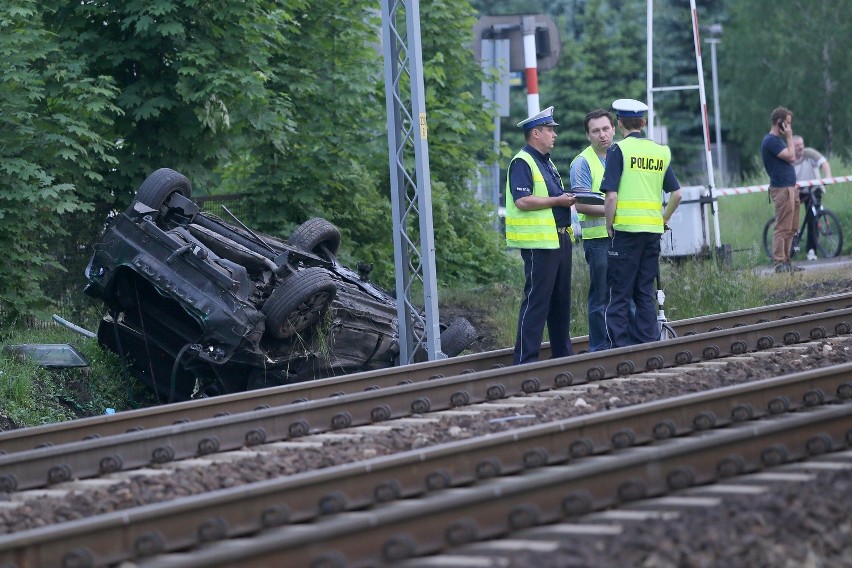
pixel 109 425
pixel 239 511
pixel 92 458
pixel 394 532
pixel 116 424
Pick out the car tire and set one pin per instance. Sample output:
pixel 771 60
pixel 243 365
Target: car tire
pixel 458 336
pixel 158 187
pixel 298 302
pixel 317 236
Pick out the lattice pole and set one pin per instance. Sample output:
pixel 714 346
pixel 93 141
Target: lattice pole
pixel 411 191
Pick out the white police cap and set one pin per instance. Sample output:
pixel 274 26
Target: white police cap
pixel 544 117
pixel 629 108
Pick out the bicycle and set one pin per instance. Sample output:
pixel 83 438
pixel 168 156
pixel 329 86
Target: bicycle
pixel 828 232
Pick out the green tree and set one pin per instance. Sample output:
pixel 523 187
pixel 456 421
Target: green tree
pixel 335 164
pixel 601 61
pixel 468 249
pixel 791 54
pixel 283 100
pixel 54 120
pixel 338 166
pixel 194 78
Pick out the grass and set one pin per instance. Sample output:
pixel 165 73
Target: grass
pixel 742 217
pixel 31 395
pixel 693 288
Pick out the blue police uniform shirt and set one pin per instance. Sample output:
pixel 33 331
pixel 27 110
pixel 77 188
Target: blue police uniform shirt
pixel 520 182
pixel 781 172
pixel 581 174
pixel 615 166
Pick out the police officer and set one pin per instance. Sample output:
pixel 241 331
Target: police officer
pixel 637 171
pixel 538 222
pixel 586 174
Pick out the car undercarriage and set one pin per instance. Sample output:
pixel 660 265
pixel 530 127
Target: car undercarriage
pixel 199 306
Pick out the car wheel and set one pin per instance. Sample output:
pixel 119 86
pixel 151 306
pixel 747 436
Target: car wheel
pixel 458 336
pixel 317 236
pixel 298 302
pixel 158 187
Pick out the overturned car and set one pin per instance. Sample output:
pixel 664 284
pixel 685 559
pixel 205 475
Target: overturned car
pixel 199 306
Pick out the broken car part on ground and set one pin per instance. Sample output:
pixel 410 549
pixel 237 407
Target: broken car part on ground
pixel 199 306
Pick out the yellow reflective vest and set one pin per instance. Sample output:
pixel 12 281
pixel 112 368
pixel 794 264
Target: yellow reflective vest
pixel 640 204
pixel 594 227
pixel 530 229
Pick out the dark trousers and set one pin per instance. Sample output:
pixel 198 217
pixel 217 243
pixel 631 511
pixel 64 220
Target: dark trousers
pixel 596 257
pixel 805 199
pixel 547 299
pixel 632 268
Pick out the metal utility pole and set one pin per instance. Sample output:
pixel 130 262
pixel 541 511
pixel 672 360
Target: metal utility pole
pixel 716 32
pixel 411 191
pixel 651 89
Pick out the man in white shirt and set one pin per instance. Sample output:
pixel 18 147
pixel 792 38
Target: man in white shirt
pixel 809 164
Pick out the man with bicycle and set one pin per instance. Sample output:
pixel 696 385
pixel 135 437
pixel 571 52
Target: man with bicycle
pixel 808 164
pixel 778 155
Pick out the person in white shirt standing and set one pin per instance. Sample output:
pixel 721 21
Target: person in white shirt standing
pixel 808 165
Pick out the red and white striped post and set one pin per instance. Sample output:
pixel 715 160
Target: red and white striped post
pixel 530 66
pixel 708 159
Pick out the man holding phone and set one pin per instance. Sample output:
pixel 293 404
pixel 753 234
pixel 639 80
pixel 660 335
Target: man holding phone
pixel 779 153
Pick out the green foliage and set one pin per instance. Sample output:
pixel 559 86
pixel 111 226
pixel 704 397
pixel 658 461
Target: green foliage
pixel 596 56
pixel 280 100
pixel 699 287
pixel 340 172
pixel 467 247
pixel 285 101
pixel 195 79
pixel 31 395
pixel 742 217
pixel 333 165
pixel 793 54
pixel 771 53
pixel 54 114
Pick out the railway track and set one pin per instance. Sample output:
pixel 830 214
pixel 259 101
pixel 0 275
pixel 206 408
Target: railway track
pixel 99 456
pixel 181 413
pixel 298 502
pixel 388 509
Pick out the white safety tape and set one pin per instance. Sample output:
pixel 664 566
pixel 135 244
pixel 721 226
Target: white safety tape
pixel 757 188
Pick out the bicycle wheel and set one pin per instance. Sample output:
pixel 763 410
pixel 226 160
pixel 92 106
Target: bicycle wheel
pixel 768 231
pixel 829 236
